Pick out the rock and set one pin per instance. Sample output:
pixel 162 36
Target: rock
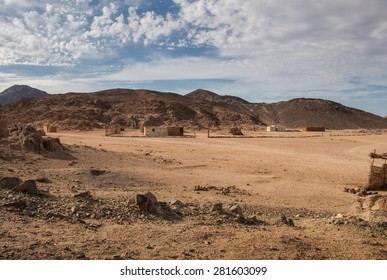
pixel 290 223
pixel 339 216
pixel 74 209
pixel 84 195
pixel 28 187
pixel 43 180
pixel 199 188
pixel 16 205
pixel 381 204
pixel 178 204
pixel 31 140
pixel 285 221
pixel 148 203
pixel 235 209
pixel 9 182
pixel 97 172
pixel 52 144
pixel 370 201
pixel 217 207
pixel 142 202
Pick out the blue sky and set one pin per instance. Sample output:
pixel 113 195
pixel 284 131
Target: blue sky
pixel 260 50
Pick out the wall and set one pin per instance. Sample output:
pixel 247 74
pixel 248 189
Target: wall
pixel 151 131
pixel 314 128
pixel 377 179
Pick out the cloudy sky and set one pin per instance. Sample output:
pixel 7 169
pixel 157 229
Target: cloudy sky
pixel 260 50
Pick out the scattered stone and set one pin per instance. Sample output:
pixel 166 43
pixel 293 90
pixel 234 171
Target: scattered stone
pixel 178 204
pixel 97 172
pixel 84 195
pixel 28 187
pixel 235 209
pixel 339 216
pixel 283 220
pixel 358 191
pixel 81 256
pixel 43 180
pixel 199 188
pixel 9 182
pixel 252 220
pixel 217 207
pixel 16 205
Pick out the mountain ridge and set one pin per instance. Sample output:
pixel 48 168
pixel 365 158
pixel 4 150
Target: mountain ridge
pixel 198 109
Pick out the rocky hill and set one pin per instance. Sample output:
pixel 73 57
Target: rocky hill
pixel 198 109
pixel 17 92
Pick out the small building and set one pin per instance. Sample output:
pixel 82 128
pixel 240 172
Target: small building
pixel 49 128
pixel 160 131
pixel 377 179
pixel 275 128
pixel 314 128
pixel 113 129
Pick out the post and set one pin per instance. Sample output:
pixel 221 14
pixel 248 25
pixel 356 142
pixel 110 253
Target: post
pixel 208 132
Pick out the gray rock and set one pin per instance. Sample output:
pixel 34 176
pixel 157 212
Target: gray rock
pixel 9 182
pixel 28 187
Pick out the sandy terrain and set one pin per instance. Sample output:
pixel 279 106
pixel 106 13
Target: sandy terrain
pixel 302 178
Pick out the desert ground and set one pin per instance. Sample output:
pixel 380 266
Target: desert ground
pixel 89 212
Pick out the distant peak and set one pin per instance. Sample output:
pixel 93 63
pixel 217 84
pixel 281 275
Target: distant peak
pixel 206 95
pixel 17 92
pixel 201 93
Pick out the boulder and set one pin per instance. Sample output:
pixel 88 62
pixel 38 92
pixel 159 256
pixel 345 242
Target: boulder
pixel 148 203
pixel 52 144
pixel 9 182
pixel 31 140
pixel 28 187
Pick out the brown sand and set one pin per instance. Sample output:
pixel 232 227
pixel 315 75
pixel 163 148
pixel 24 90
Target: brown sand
pixel 303 178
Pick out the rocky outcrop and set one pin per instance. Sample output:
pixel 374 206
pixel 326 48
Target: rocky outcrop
pixel 32 140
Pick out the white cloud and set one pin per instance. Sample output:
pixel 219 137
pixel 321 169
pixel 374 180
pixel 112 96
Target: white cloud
pixel 268 46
